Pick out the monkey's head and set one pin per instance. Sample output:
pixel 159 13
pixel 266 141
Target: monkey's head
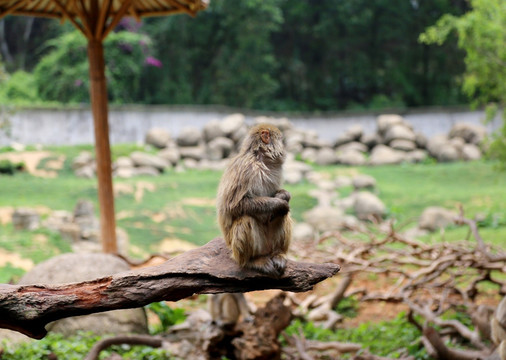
pixel 265 141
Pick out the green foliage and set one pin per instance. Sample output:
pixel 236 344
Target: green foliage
pixel 18 88
pixel 62 74
pixel 348 307
pixel 76 348
pixel 167 316
pixel 385 338
pixel 482 35
pixel 8 167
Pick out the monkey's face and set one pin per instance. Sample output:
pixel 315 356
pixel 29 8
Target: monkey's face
pixel 266 141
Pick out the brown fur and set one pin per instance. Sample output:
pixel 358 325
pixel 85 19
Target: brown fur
pixel 253 212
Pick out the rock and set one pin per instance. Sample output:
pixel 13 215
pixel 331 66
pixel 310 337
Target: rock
pixel 25 219
pixel 84 158
pixel 57 218
pixel 399 131
pixel 403 145
pixel 86 172
pixel 342 181
pixel 189 136
pixel 219 148
pixel 344 139
pixel 302 232
pixel 309 154
pixel 346 203
pixel 232 123
pixel 355 131
pixel 434 218
pixel 435 144
pixel 447 153
pixel 212 130
pixel 125 172
pixel 293 141
pixel 386 121
pixel 421 140
pixel 471 133
pixel 352 146
pixel 146 171
pixel 324 218
pixel 84 208
pixel 193 152
pixel 190 163
pixel 70 232
pixel 471 152
pixel 16 146
pixel 326 156
pixel 370 140
pixel 239 135
pixel 383 155
pixel 368 205
pixel 124 162
pixel 311 139
pixel 157 137
pixel 363 181
pixel 68 268
pixel 351 157
pixel 170 154
pixel 416 156
pixel 458 143
pixel 144 159
pixel 292 176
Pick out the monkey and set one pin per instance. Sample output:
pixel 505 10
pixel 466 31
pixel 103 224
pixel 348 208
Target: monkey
pixel 253 211
pixel 227 308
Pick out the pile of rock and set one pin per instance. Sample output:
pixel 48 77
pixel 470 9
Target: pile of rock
pixel 333 213
pixel 395 141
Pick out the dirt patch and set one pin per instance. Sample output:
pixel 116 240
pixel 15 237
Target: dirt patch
pixel 6 214
pixel 32 158
pixel 141 187
pixel 199 202
pixel 173 244
pixel 7 257
pixel 123 189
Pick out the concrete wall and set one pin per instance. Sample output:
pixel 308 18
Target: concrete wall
pixel 129 124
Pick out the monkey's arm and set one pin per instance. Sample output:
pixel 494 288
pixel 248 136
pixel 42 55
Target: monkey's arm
pixel 261 206
pixel 283 194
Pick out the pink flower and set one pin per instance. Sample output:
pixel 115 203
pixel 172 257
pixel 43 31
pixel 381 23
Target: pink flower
pixel 153 62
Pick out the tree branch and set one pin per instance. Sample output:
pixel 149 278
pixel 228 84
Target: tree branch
pixel 206 270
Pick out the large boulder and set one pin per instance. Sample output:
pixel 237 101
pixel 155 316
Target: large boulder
pixel 399 131
pixel 435 217
pixel 212 130
pixel 471 152
pixel 309 154
pixel 25 219
pixel 370 140
pixel 403 145
pixel 219 148
pixel 471 133
pixel 141 159
pixel 231 124
pixel 351 157
pixel 157 137
pixel 353 146
pixel 302 232
pixel 384 155
pixel 368 205
pixel 196 153
pixel 325 218
pixel 170 154
pixel 363 181
pixel 84 158
pixel 386 121
pixel 447 153
pixel 189 136
pixel 326 156
pixel 68 268
pixel 416 156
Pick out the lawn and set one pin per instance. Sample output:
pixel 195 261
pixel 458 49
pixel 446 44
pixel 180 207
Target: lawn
pixel 180 205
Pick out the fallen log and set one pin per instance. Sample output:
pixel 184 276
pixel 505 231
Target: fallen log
pixel 205 270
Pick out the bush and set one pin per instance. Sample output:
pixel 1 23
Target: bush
pixel 8 167
pixel 19 89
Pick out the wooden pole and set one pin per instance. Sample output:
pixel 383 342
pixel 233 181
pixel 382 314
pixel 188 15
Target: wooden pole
pixel 98 94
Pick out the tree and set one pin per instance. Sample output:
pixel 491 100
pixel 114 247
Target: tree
pixel 482 35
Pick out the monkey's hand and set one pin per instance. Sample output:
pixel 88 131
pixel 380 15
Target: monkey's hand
pixel 283 194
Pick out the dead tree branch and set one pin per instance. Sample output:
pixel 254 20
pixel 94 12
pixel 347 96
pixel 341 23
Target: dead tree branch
pixel 208 269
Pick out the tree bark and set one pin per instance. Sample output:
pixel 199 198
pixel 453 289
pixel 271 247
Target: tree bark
pixel 206 270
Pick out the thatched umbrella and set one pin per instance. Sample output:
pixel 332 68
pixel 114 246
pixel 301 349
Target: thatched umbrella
pixel 95 19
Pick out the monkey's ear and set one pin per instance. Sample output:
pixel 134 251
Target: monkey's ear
pixel 265 135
